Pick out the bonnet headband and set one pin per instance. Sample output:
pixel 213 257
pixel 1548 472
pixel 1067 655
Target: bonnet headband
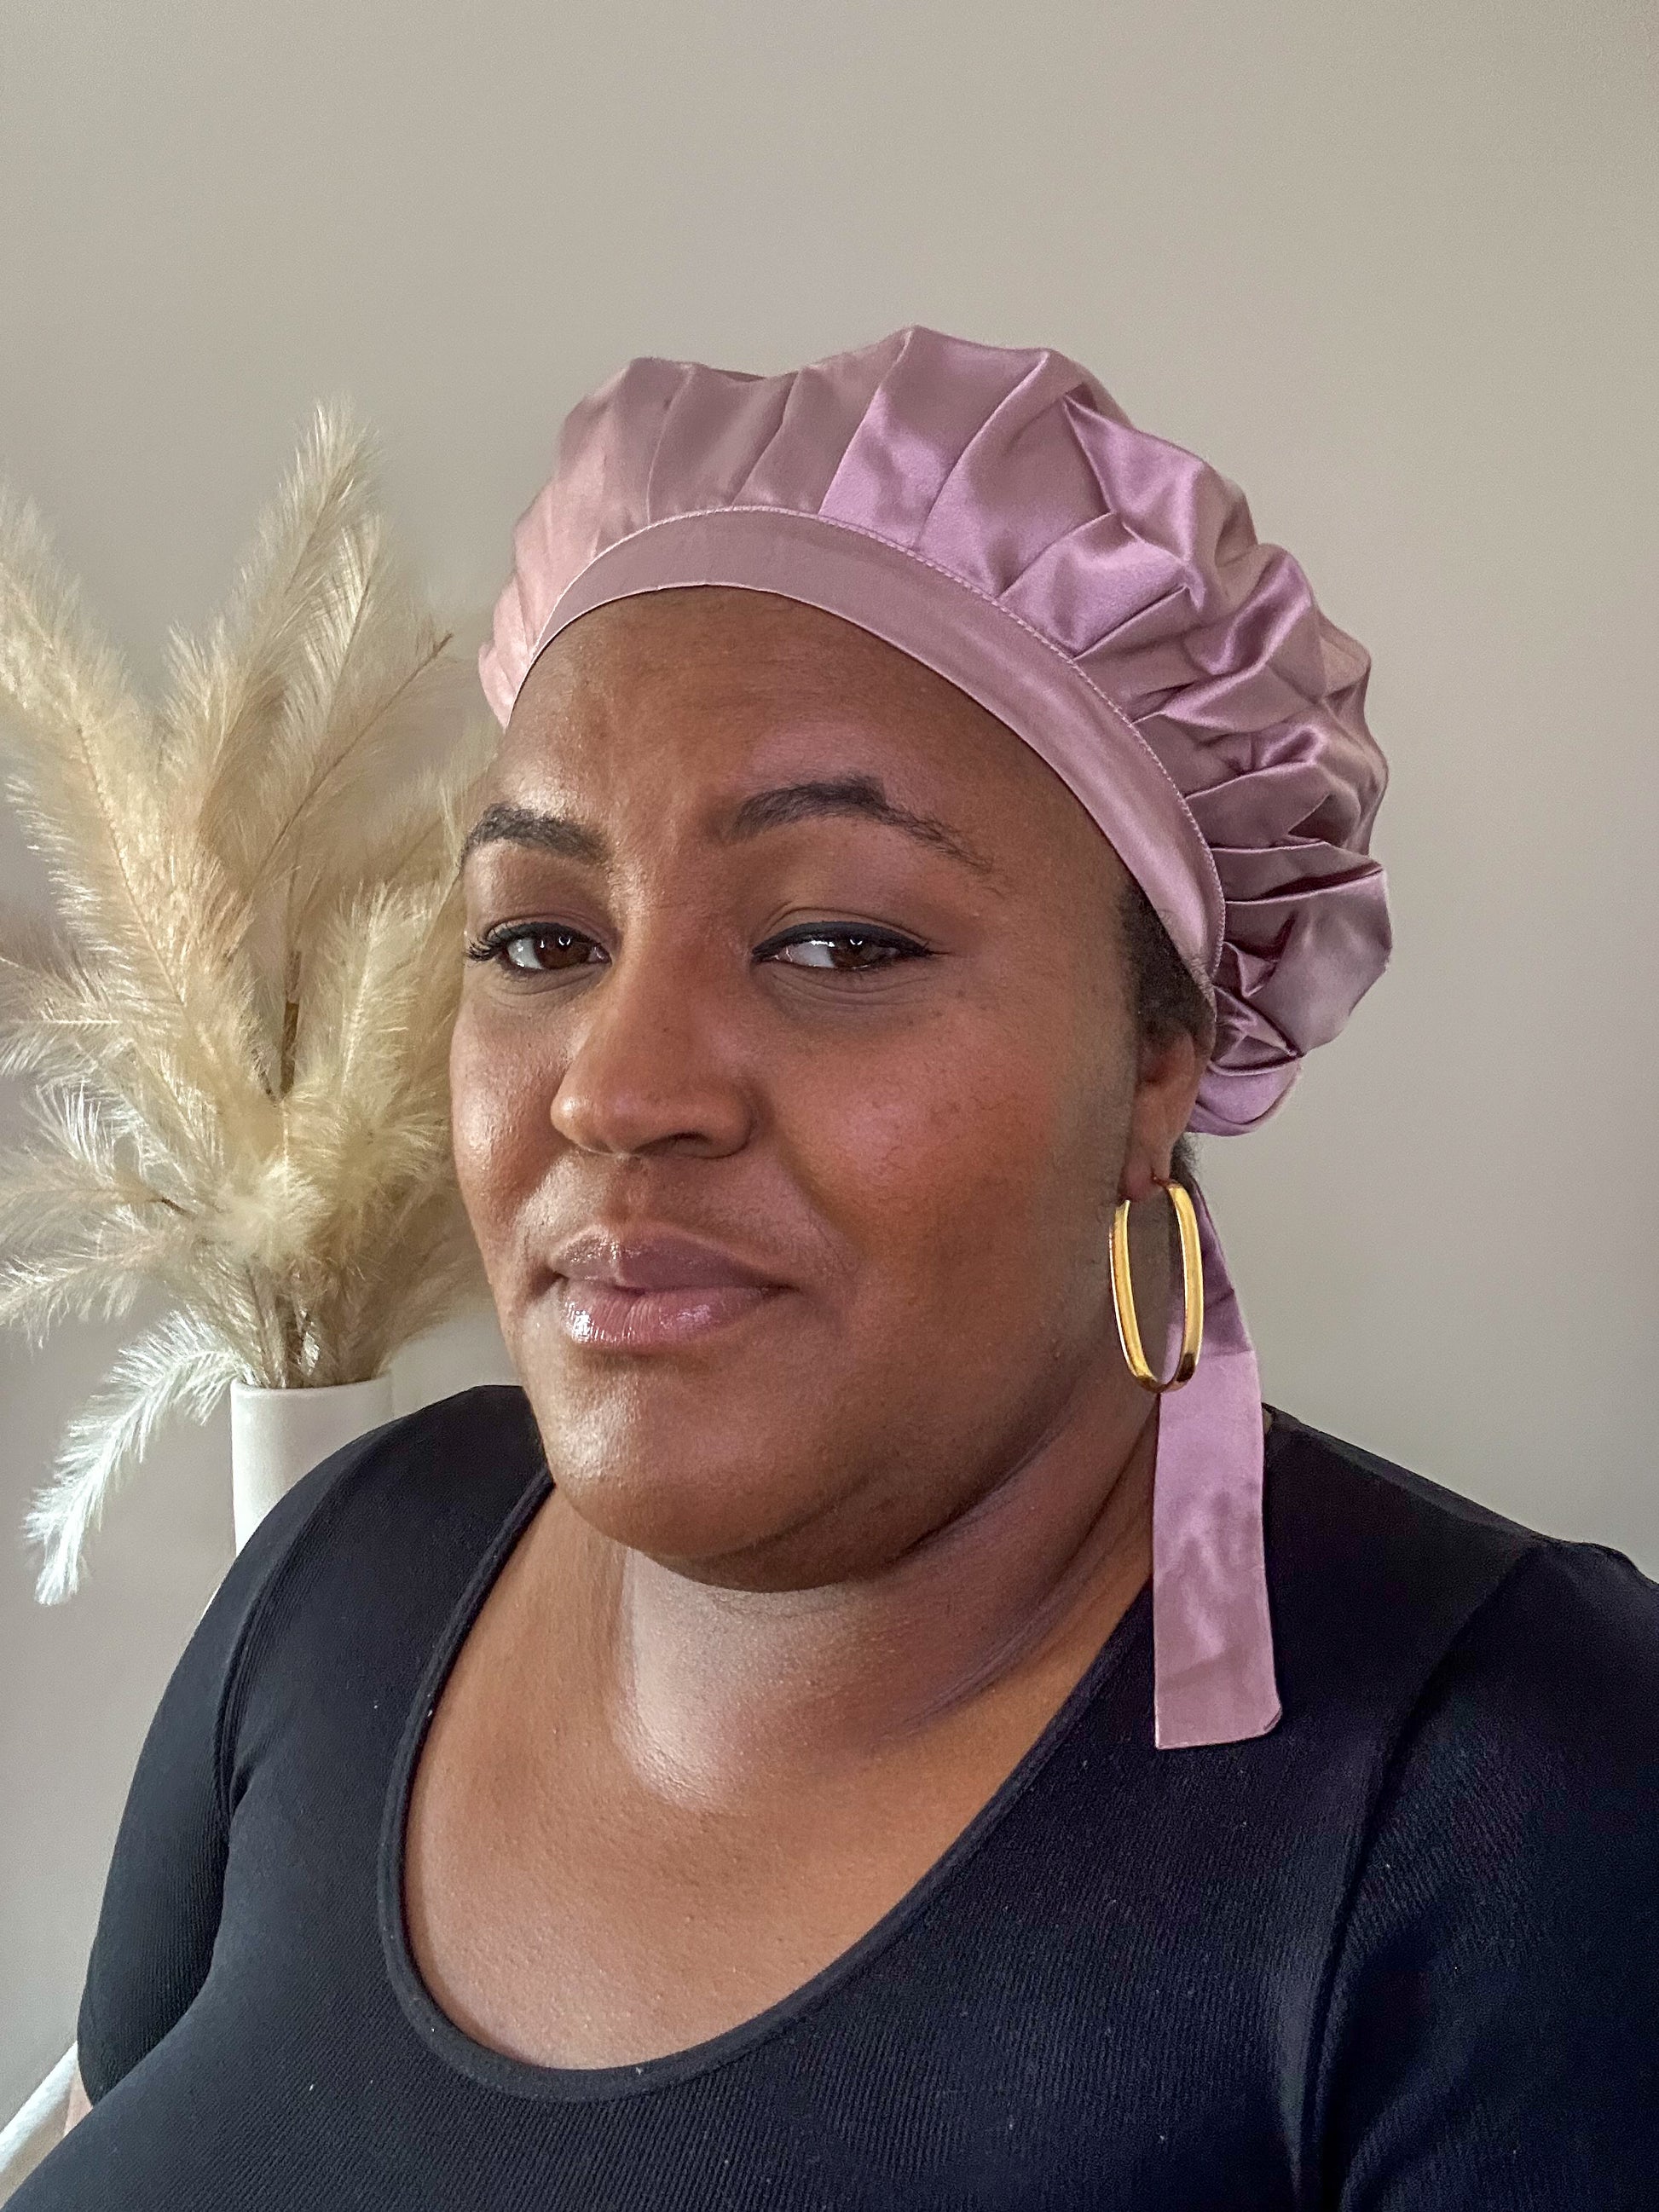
pixel 992 511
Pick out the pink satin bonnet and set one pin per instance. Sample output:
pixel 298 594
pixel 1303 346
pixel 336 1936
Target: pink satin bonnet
pixel 992 511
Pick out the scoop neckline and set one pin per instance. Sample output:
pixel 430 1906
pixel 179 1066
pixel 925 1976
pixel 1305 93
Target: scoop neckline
pixel 520 2077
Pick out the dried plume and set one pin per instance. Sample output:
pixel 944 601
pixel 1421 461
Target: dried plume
pixel 238 1031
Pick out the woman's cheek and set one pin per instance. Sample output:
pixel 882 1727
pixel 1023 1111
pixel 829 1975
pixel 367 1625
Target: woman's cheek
pixel 501 1126
pixel 937 1153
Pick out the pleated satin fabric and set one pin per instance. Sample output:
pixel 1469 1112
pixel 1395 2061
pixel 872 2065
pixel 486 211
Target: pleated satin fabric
pixel 992 511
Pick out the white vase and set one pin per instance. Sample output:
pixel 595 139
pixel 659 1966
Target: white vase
pixel 278 1436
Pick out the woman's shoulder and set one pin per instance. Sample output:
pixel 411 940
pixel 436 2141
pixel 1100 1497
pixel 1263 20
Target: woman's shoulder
pixel 394 1523
pixel 458 1463
pixel 1389 1591
pixel 1496 1954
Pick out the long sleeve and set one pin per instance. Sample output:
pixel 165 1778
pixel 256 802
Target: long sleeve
pixel 1492 2040
pixel 163 1894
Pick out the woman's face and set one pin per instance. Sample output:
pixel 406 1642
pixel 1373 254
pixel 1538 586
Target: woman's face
pixel 874 1039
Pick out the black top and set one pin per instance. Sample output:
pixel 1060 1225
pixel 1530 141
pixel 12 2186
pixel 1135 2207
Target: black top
pixel 1402 1952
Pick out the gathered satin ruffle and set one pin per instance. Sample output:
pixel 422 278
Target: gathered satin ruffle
pixel 992 511
pixel 1013 470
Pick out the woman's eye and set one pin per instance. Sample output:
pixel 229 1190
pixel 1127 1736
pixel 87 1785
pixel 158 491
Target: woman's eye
pixel 545 949
pixel 533 951
pixel 843 950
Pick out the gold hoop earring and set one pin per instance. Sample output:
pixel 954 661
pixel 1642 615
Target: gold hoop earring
pixel 1192 1292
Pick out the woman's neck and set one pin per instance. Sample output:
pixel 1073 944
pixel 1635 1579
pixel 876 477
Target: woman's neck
pixel 714 1694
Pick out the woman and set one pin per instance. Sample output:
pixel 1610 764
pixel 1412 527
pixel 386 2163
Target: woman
pixel 864 1727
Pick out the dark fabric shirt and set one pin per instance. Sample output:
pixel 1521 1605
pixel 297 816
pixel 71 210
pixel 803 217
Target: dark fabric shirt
pixel 1401 1954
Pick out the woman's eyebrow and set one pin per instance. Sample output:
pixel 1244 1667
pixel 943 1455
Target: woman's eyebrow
pixel 858 795
pixel 846 794
pixel 502 824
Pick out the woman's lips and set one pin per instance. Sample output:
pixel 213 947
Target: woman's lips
pixel 643 1286
pixel 602 1317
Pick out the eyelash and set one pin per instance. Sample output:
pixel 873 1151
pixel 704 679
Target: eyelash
pixel 493 945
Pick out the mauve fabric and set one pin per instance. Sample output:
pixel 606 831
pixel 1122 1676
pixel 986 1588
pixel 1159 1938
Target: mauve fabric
pixel 1400 1956
pixel 993 513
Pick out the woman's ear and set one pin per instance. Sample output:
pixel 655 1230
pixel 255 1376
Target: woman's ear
pixel 1166 1089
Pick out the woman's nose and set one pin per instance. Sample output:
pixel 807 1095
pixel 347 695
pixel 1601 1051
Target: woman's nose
pixel 656 1065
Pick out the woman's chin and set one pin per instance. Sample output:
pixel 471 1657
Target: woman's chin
pixel 740 1534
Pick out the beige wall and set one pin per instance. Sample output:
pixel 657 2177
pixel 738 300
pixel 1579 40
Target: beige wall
pixel 1389 263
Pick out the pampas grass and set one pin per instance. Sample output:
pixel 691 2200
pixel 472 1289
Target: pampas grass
pixel 239 1032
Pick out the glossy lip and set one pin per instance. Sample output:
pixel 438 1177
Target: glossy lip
pixel 600 1317
pixel 644 1289
pixel 640 1258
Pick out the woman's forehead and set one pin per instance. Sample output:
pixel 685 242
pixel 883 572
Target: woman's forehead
pixel 731 689
pixel 724 641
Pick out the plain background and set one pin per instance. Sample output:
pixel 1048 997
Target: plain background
pixel 1391 265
